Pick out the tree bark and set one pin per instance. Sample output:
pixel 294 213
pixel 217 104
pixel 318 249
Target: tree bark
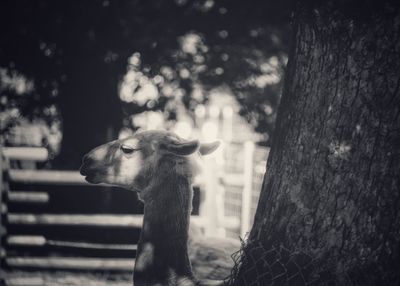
pixel 329 211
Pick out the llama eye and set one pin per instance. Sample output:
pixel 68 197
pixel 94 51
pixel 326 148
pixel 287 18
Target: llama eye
pixel 127 149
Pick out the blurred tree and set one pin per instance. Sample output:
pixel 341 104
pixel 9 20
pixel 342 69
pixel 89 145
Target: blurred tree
pixel 76 54
pixel 24 120
pixel 329 207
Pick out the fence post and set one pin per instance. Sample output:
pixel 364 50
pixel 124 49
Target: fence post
pixel 227 123
pixel 209 207
pixel 247 187
pixel 2 210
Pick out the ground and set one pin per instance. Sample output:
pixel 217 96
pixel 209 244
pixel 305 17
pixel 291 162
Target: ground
pixel 63 278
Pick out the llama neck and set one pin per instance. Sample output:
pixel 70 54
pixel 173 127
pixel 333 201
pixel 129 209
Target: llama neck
pixel 162 255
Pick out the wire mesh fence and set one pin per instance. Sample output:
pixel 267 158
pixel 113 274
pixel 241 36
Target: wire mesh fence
pixel 256 265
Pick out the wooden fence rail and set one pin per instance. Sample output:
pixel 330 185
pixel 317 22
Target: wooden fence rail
pixel 28 197
pixel 72 263
pixel 48 177
pixel 40 241
pixel 37 154
pixel 14 246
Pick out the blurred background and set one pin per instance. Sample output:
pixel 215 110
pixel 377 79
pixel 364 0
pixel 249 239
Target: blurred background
pixel 74 75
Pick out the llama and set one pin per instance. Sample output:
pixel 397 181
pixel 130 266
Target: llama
pixel 159 166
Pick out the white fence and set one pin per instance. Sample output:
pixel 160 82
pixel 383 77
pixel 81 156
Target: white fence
pixel 244 169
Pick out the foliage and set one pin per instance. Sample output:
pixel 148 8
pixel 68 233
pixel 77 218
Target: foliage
pixel 24 120
pixel 77 54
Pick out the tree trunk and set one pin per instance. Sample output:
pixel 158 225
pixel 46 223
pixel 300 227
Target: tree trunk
pixel 329 210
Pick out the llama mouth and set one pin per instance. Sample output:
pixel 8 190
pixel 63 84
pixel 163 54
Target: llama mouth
pixel 91 178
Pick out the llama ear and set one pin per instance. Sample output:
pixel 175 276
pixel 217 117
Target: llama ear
pixel 208 148
pixel 182 148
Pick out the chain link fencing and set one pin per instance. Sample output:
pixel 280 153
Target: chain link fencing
pixel 257 266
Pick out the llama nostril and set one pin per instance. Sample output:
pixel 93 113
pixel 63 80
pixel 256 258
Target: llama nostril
pixel 87 160
pixel 86 163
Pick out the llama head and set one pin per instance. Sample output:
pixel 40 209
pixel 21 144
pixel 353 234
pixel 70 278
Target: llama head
pixel 134 162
